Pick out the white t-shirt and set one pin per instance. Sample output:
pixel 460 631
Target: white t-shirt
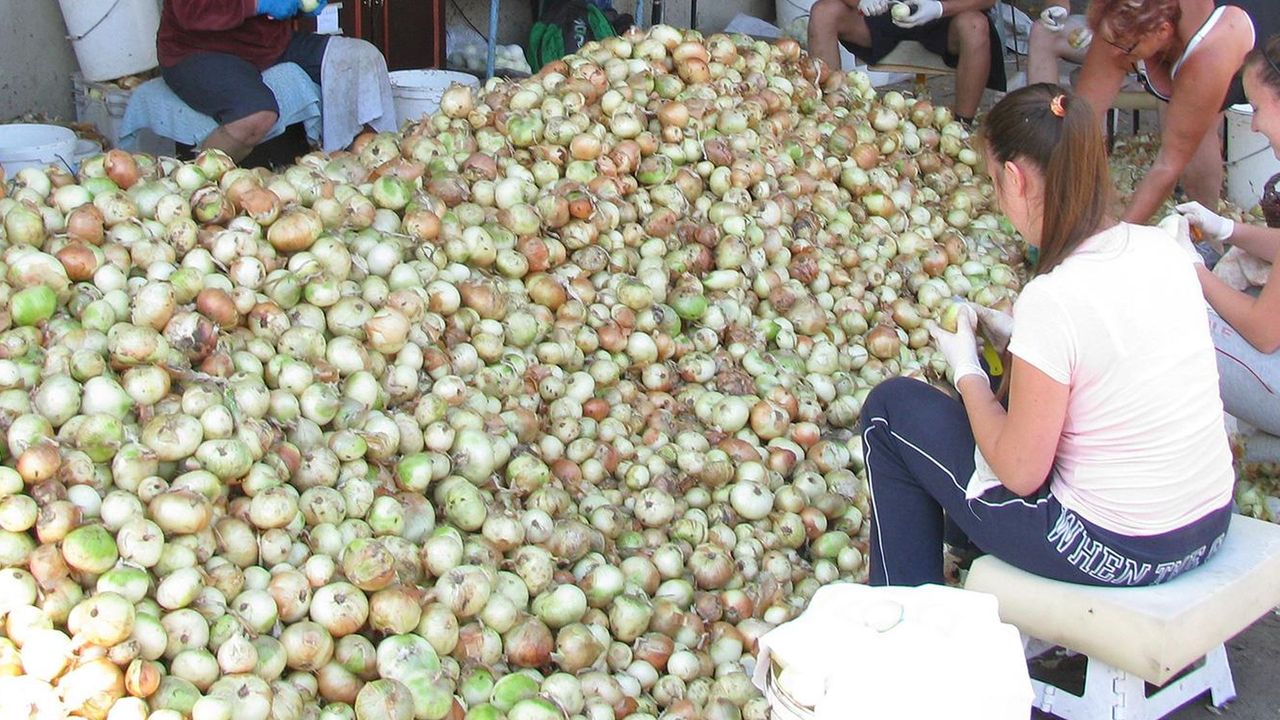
pixel 1122 321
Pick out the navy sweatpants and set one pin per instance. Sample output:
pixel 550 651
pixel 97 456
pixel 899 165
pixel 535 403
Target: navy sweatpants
pixel 919 457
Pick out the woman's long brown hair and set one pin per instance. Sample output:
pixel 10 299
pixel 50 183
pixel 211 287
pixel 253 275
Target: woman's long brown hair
pixel 1070 154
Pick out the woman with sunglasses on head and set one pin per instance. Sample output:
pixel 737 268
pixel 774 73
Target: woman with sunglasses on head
pixel 1188 54
pixel 1246 329
pixel 1110 465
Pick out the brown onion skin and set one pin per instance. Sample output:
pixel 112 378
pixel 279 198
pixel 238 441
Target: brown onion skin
pixel 218 306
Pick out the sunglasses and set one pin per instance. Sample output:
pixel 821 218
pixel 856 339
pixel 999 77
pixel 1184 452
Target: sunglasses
pixel 1121 48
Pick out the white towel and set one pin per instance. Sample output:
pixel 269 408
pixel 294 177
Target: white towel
pixel 356 91
pixel 152 105
pixel 983 477
pixel 927 651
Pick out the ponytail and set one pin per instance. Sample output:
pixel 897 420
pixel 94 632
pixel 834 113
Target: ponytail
pixel 1055 130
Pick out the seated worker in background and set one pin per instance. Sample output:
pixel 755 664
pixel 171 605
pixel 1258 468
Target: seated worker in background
pixel 1245 328
pixel 1056 35
pixel 958 30
pixel 212 54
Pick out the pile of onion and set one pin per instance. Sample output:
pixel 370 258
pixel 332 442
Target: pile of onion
pixel 543 408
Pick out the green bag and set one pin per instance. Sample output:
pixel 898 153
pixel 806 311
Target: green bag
pixel 563 26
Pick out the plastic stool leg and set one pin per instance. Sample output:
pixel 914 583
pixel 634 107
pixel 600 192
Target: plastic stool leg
pixel 1222 687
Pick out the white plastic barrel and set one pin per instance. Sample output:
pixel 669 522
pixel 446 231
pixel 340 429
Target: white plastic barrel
pixel 112 38
pixel 417 93
pixel 31 145
pixel 1251 160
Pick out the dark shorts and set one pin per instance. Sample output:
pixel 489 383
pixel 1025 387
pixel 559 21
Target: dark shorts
pixel 885 36
pixel 228 88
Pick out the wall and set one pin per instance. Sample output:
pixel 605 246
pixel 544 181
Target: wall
pixel 516 15
pixel 36 60
pixel 514 19
pixel 712 15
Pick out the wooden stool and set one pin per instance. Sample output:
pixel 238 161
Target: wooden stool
pixel 911 57
pixel 1134 101
pixel 1151 634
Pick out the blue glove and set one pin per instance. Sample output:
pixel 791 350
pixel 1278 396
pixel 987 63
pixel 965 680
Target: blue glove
pixel 314 11
pixel 278 9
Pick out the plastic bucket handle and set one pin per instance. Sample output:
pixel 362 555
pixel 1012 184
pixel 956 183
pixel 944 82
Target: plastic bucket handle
pixel 85 34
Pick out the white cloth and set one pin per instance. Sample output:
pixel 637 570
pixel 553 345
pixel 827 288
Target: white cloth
pixel 1241 270
pixel 1123 323
pixel 152 105
pixel 898 652
pixel 356 91
pixel 983 477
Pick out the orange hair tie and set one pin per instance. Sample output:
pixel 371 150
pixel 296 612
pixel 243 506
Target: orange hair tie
pixel 1058 105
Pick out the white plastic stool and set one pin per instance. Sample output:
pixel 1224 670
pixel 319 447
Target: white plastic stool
pixel 1133 636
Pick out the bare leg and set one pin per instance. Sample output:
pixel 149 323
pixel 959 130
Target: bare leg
pixel 968 38
pixel 1047 48
pixel 1202 178
pixel 829 22
pixel 239 137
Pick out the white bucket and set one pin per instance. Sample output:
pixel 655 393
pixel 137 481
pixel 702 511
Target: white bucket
pixel 112 38
pixel 28 145
pixel 790 10
pixel 85 149
pixel 1251 160
pixel 417 93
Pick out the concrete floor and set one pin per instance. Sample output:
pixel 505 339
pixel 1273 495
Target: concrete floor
pixel 1255 658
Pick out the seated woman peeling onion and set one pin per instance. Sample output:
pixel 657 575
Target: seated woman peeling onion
pixel 1244 327
pixel 1110 465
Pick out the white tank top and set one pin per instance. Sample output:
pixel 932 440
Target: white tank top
pixel 1192 44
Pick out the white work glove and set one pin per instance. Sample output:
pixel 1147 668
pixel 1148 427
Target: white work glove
pixel 1208 222
pixel 871 8
pixel 926 12
pixel 1054 18
pixel 1177 227
pixel 960 348
pixel 996 325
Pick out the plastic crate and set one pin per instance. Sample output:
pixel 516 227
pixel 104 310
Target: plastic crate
pixel 102 105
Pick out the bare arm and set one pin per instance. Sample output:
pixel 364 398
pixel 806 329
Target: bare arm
pixel 1260 242
pixel 1102 76
pixel 1019 444
pixel 1256 319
